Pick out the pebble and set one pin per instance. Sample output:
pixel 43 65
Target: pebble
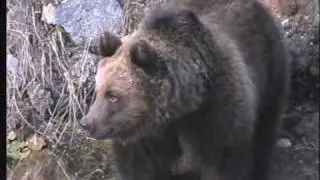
pixel 12 63
pixel 284 143
pixel 48 14
pixel 284 22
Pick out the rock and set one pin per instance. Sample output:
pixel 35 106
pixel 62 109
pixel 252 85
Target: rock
pixel 11 136
pixel 12 63
pixel 284 22
pixel 84 20
pixel 48 14
pixel 14 75
pixel 284 143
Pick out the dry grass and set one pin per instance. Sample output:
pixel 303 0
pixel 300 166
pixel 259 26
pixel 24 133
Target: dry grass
pixel 44 94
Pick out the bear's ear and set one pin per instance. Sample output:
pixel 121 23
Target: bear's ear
pixel 144 56
pixel 108 45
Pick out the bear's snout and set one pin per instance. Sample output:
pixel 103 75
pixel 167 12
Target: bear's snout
pixel 95 130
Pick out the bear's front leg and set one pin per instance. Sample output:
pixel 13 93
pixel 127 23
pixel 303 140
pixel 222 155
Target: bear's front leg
pixel 219 147
pixel 147 158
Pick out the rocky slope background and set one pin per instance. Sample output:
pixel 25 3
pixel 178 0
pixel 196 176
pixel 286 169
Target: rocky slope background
pixel 50 73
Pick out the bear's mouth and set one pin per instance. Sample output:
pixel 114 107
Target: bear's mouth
pixel 103 132
pixel 108 133
pixel 98 135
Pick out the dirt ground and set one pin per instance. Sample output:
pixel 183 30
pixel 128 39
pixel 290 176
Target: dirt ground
pixel 300 161
pixel 35 44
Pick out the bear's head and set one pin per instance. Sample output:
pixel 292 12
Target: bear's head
pixel 125 78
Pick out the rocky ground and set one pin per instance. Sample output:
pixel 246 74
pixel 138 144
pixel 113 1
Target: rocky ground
pixel 50 81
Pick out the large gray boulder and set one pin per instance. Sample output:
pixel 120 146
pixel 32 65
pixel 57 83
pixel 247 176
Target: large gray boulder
pixel 83 20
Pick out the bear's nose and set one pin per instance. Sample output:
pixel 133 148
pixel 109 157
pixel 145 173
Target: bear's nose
pixel 84 124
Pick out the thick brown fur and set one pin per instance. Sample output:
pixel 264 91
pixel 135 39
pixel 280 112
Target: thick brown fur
pixel 203 77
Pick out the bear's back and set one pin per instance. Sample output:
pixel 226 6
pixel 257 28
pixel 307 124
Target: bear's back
pixel 250 29
pixel 253 30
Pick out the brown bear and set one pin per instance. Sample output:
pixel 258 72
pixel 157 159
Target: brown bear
pixel 203 77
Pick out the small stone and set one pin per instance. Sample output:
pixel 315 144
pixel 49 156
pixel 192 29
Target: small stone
pixel 300 161
pixel 284 143
pixel 11 136
pixel 49 14
pixel 287 34
pixel 12 63
pixel 284 22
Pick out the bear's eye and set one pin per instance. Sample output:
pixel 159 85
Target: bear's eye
pixel 112 98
